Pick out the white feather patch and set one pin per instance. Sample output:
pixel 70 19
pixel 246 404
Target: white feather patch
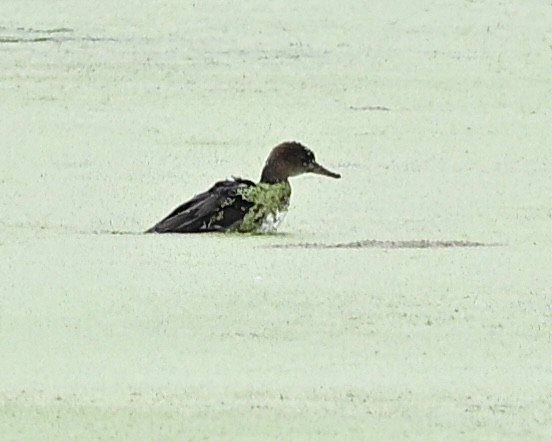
pixel 271 222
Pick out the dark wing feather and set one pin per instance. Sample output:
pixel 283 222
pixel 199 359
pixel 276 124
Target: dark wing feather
pixel 220 208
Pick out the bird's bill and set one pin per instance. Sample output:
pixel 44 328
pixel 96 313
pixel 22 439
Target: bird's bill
pixel 321 170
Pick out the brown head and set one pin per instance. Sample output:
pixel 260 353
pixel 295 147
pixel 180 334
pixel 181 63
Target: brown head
pixel 291 159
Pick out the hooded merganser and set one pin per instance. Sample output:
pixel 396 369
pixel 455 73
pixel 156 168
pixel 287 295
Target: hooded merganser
pixel 241 205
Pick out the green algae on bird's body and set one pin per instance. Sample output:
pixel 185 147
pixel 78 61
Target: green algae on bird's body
pixel 269 200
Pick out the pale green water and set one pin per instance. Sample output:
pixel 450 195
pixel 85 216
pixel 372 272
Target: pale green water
pixel 126 111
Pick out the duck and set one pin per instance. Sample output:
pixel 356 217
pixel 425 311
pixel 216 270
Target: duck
pixel 241 205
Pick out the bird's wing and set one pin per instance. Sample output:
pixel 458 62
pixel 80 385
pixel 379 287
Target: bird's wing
pixel 220 208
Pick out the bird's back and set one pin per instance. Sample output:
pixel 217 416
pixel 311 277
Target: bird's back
pixel 220 208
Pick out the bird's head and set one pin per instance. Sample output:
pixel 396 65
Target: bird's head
pixel 290 159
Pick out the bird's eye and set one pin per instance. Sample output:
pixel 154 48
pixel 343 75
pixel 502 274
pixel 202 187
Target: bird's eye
pixel 305 163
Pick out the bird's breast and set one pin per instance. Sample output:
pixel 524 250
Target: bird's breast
pixel 272 221
pixel 270 204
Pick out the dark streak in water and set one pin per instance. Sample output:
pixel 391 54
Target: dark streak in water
pixel 25 40
pixel 30 35
pixel 47 31
pixel 377 244
pixel 370 108
pixel 54 39
pixel 111 232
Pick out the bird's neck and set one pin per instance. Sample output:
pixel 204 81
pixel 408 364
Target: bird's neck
pixel 273 173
